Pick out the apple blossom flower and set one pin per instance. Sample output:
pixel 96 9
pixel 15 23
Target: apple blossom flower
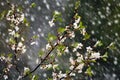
pixel 95 55
pixel 89 49
pixel 48 46
pixel 5 77
pixel 51 23
pixel 80 67
pixel 72 61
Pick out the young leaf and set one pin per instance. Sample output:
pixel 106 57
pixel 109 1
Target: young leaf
pixel 41 53
pixel 89 71
pixel 98 43
pixel 112 46
pixel 61 30
pixel 51 37
pixel 35 77
pixel 33 5
pixel 2 15
pixel 57 16
pixel 35 37
pixel 86 36
pixel 10 55
pixel 25 21
pixel 81 25
pixel 77 4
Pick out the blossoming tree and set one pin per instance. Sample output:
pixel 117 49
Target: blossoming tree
pixel 79 56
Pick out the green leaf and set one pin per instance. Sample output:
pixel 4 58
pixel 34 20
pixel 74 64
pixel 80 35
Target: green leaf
pixel 61 30
pixel 10 55
pixel 89 71
pixel 98 43
pixel 35 77
pixel 75 44
pixel 2 15
pixel 51 37
pixel 49 79
pixel 41 53
pixel 112 46
pixel 17 35
pixel 12 41
pixel 77 4
pixel 61 48
pixel 105 56
pixel 81 26
pixel 57 16
pixel 33 5
pixel 86 36
pixel 104 59
pixel 25 21
pixel 20 8
pixel 35 37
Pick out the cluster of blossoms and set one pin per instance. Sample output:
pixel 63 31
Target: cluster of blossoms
pixel 92 54
pixel 77 46
pixel 15 40
pixel 15 17
pixel 49 66
pixel 6 60
pixel 59 75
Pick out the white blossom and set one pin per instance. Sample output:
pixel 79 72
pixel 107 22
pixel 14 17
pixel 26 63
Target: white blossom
pixel 80 67
pixel 72 61
pixel 72 74
pixel 13 47
pixel 5 77
pixel 74 49
pixel 78 20
pixel 60 75
pixel 20 44
pixel 89 49
pixel 49 66
pixel 54 76
pixel 16 28
pixel 23 49
pixel 80 58
pixel 19 77
pixel 79 46
pixel 95 55
pixel 51 23
pixel 22 17
pixel 71 67
pixel 62 40
pixel 72 34
pixel 66 50
pixel 48 46
pixel 22 39
pixel 78 54
pixel 56 12
pixel 11 32
pixel 26 69
pixel 75 24
pixel 83 31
